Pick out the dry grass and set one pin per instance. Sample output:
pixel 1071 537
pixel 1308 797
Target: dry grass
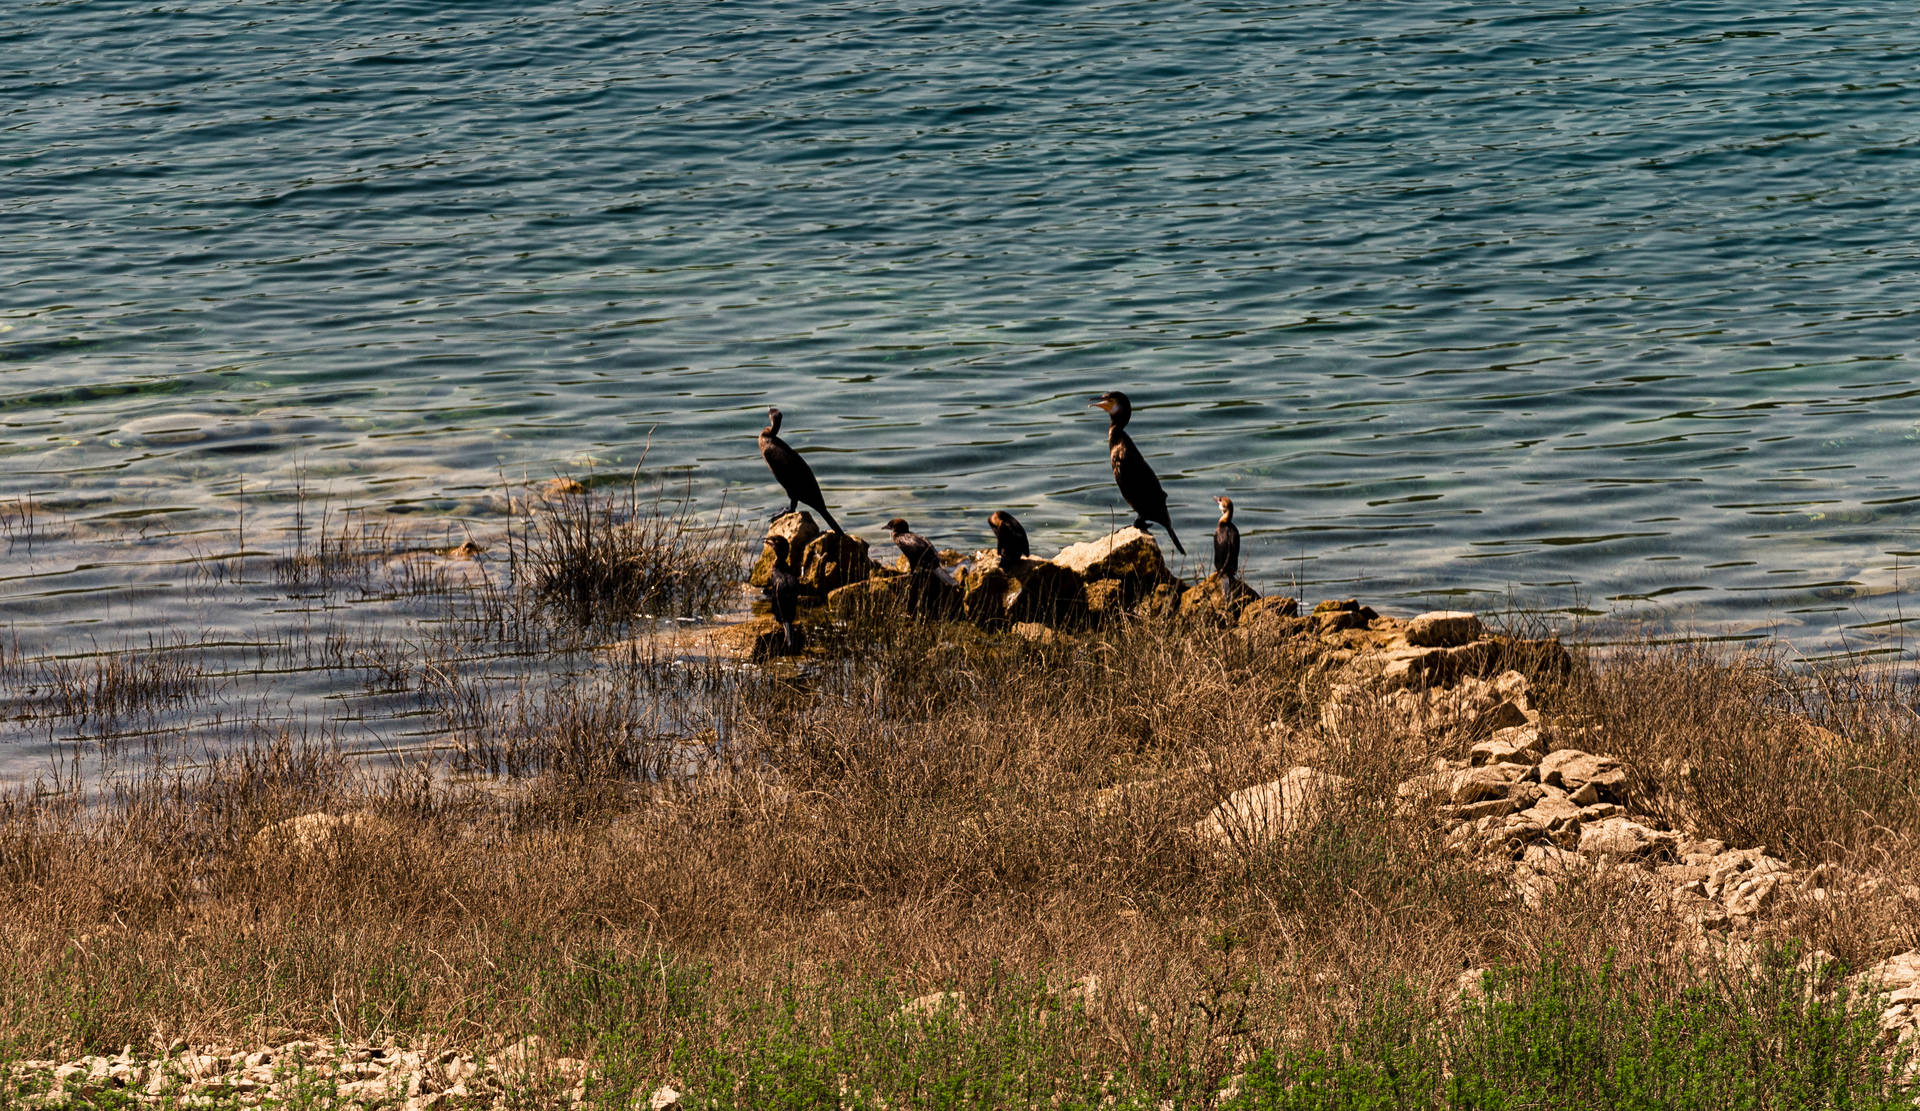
pixel 628 835
pixel 944 810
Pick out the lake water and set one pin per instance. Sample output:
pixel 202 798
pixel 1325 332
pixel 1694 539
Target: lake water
pixel 1597 309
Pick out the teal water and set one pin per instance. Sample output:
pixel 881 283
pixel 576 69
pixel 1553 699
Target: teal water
pixel 1598 308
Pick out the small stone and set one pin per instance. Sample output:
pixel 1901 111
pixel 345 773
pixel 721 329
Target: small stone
pixel 664 1098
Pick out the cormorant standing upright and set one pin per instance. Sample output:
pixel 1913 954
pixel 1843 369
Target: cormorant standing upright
pixel 1226 544
pixel 783 592
pixel 792 472
pixel 1009 538
pixel 923 560
pixel 1130 470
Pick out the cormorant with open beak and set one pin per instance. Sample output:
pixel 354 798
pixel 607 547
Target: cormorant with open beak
pixel 923 560
pixel 1009 538
pixel 783 592
pixel 1130 470
pixel 792 472
pixel 1226 544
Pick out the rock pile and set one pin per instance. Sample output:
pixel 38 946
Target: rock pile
pixel 1539 810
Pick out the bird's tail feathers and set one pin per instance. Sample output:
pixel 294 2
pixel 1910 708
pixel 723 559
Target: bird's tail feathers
pixel 831 523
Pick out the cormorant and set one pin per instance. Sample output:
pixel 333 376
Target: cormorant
pixel 792 472
pixel 1009 537
pixel 923 560
pixel 1130 470
pixel 783 592
pixel 1226 544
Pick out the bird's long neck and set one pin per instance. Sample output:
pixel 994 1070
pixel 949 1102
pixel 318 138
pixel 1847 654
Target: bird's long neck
pixel 1117 426
pixel 773 425
pixel 1226 516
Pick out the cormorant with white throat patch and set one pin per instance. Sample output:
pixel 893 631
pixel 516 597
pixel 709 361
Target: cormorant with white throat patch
pixel 792 472
pixel 1130 470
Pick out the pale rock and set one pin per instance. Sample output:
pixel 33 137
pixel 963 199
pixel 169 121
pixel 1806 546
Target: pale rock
pixel 1555 813
pixel 1601 811
pixel 664 1098
pixel 1518 745
pixel 1444 629
pixel 1625 839
pixel 1488 781
pixel 1280 808
pixel 1752 893
pixel 1130 556
pixel 1571 769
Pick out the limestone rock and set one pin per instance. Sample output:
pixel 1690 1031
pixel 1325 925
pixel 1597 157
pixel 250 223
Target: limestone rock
pixel 1130 556
pixel 834 560
pixel 1332 616
pixel 1489 781
pixel 798 530
pixel 664 1098
pixel 878 593
pixel 1259 610
pixel 1586 777
pixel 1444 629
pixel 1517 745
pixel 1281 808
pixel 1216 600
pixel 1106 599
pixel 1626 839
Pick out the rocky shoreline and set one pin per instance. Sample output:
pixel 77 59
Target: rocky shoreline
pixel 1536 804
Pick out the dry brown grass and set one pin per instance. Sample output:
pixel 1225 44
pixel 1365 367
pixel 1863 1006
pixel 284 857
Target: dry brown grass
pixel 940 809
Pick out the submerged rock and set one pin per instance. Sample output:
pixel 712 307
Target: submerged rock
pixel 998 594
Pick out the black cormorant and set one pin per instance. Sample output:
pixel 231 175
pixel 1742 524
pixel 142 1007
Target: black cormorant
pixel 783 592
pixel 1009 537
pixel 923 560
pixel 1226 544
pixel 1130 470
pixel 792 472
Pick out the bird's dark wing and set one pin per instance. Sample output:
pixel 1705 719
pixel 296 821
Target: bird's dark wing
pixel 791 471
pixel 1138 484
pixel 1226 549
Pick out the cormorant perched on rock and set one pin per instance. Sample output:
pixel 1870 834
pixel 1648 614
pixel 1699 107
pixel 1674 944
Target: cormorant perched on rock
pixel 1009 537
pixel 783 592
pixel 923 560
pixel 1226 545
pixel 1130 471
pixel 792 472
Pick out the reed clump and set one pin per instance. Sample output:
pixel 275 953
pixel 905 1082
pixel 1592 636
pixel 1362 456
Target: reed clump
pixel 603 552
pixel 736 879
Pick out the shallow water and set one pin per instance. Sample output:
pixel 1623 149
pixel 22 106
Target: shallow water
pixel 1599 309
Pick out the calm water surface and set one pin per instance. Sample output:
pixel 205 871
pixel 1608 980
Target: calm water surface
pixel 1596 309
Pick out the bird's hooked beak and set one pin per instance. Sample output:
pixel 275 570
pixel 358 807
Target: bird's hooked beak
pixel 1101 403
